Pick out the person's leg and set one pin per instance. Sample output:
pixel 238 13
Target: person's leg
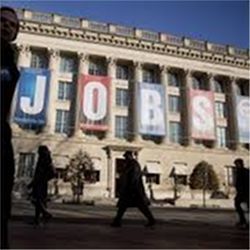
pixel 7 179
pixel 118 218
pixel 37 211
pixel 239 210
pixel 147 213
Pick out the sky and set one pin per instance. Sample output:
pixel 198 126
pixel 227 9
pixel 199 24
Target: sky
pixel 224 22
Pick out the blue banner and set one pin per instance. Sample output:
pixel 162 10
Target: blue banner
pixel 151 109
pixel 32 96
pixel 243 118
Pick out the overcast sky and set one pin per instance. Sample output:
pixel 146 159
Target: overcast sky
pixel 223 22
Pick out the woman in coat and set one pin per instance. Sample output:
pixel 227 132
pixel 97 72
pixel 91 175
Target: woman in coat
pixel 43 173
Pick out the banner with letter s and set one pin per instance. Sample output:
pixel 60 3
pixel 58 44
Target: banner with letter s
pixel 95 99
pixel 151 109
pixel 32 97
pixel 243 118
pixel 202 113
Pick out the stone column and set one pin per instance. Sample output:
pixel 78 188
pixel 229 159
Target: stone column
pixel 112 74
pixel 232 115
pixel 211 87
pixel 53 86
pixel 82 69
pixel 137 78
pixel 24 60
pixel 110 175
pixel 24 56
pixel 187 115
pixel 164 82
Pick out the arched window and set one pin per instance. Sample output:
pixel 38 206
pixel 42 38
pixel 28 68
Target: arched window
pixel 173 79
pixel 198 83
pixel 219 86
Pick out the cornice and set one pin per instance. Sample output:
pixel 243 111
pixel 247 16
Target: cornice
pixel 115 40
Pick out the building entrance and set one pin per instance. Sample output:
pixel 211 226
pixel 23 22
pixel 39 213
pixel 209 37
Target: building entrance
pixel 119 168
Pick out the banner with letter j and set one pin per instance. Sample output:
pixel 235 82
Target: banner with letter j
pixel 32 97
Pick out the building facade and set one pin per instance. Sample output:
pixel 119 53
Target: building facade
pixel 106 88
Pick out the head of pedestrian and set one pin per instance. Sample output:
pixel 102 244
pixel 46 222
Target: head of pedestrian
pixel 9 24
pixel 43 150
pixel 239 163
pixel 128 155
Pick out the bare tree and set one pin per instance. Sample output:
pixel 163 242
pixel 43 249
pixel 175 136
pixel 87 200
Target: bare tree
pixel 79 171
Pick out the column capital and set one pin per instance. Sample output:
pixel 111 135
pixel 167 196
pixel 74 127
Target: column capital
pixel 163 68
pixel 54 53
pixel 23 48
pixel 138 65
pixel 187 72
pixel 111 60
pixel 82 56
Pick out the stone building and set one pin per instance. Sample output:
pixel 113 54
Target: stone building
pixel 70 48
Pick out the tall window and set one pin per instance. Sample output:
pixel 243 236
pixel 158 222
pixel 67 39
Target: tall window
pixel 121 126
pixel 122 97
pixel 97 68
pixel 174 103
pixel 122 72
pixel 149 75
pixel 62 121
pixel 221 137
pixel 219 86
pixel 64 90
pixel 173 79
pixel 39 60
pixel 220 109
pixel 67 64
pixel 199 83
pixel 26 165
pixel 242 88
pixel 175 132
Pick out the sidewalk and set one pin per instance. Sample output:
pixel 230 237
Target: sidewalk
pixel 81 227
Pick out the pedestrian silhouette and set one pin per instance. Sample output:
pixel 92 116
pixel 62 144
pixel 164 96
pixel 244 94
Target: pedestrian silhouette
pixel 132 193
pixel 242 191
pixel 43 173
pixel 9 78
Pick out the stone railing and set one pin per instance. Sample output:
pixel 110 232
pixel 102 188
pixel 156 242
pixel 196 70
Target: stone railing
pixel 77 23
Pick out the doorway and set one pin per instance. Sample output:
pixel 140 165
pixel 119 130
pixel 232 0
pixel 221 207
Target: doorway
pixel 119 168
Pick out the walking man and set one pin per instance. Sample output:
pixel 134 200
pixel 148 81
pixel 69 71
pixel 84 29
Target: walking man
pixel 242 191
pixel 132 193
pixel 9 76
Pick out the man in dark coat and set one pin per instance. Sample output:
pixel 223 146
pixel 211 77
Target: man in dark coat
pixel 132 193
pixel 242 191
pixel 9 77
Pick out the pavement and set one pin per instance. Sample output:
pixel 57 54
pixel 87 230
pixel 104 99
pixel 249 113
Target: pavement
pixel 88 227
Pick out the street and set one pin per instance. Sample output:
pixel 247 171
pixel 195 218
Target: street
pixel 87 227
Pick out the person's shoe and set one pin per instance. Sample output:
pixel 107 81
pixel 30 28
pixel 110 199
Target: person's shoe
pixel 150 224
pixel 242 225
pixel 47 217
pixel 115 224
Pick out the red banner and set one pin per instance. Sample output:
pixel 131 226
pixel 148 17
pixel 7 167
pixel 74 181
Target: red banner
pixel 95 98
pixel 202 113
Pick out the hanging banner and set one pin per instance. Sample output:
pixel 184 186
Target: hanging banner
pixel 32 97
pixel 95 100
pixel 151 109
pixel 202 113
pixel 243 118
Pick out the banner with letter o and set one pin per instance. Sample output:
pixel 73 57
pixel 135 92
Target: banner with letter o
pixel 95 99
